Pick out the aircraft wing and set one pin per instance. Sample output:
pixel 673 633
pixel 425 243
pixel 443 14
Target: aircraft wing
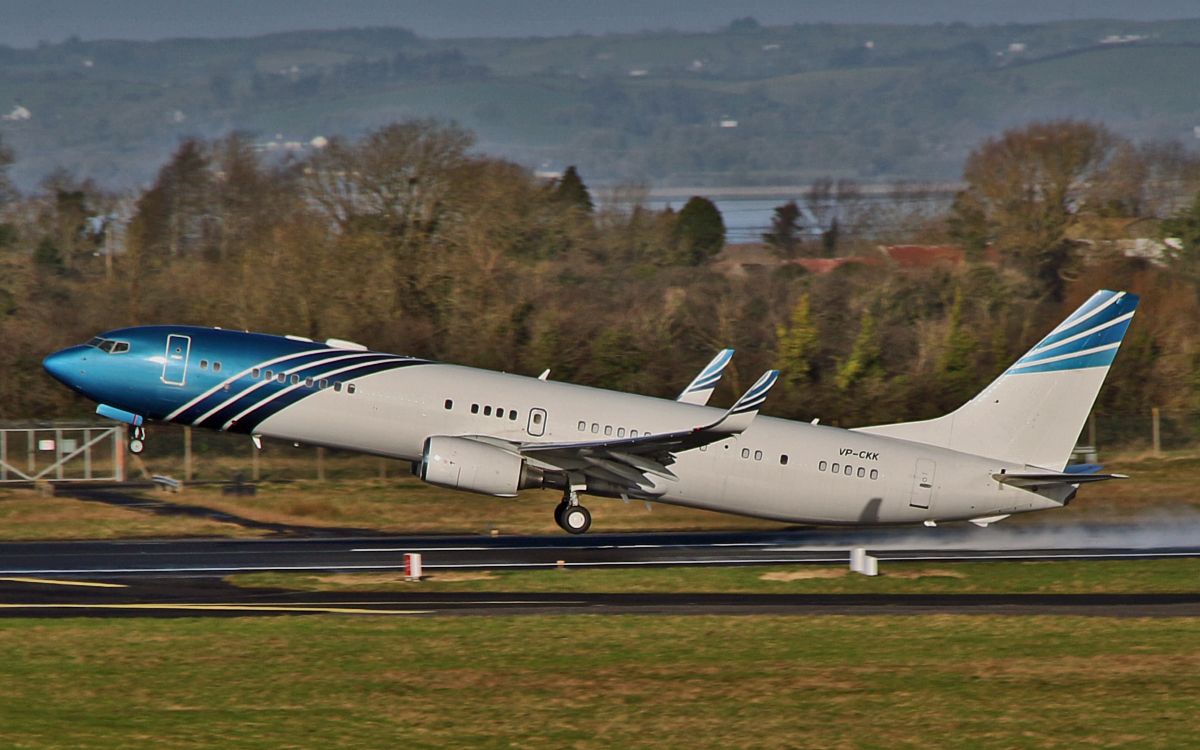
pixel 635 462
pixel 700 390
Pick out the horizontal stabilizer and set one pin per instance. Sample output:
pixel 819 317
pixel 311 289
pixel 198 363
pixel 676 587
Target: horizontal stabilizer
pixel 1045 479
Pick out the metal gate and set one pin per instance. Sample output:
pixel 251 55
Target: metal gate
pixel 922 488
pixel 62 454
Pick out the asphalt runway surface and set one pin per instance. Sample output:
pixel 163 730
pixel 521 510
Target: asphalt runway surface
pixel 184 577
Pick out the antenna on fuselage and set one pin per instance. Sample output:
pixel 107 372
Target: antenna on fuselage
pixel 545 374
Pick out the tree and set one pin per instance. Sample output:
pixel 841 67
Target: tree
pixel 47 257
pixel 1030 184
pixel 796 346
pixel 955 366
pixel 864 361
pixel 570 190
pixel 6 188
pixel 699 231
pixel 785 228
pixel 1181 234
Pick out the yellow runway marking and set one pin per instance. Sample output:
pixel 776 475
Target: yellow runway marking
pixel 53 582
pixel 223 608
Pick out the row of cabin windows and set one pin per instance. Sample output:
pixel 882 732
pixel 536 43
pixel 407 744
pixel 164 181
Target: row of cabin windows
pixel 758 455
pixel 848 470
pixel 608 430
pixel 282 377
pixel 487 410
pixel 216 366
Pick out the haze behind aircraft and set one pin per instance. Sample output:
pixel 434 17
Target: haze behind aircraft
pixel 1003 452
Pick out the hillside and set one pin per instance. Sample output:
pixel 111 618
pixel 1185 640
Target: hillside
pixel 876 102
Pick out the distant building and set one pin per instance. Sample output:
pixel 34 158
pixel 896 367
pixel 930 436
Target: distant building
pixel 638 73
pixel 1016 48
pixel 923 256
pixel 729 122
pixel 18 114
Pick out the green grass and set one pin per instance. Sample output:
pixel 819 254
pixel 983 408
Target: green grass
pixel 1066 577
pixel 600 682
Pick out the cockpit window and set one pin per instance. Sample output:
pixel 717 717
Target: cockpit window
pixel 109 346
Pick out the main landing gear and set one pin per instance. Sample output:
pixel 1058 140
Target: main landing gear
pixel 137 439
pixel 572 517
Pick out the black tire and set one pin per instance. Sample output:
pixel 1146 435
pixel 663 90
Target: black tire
pixel 558 515
pixel 576 519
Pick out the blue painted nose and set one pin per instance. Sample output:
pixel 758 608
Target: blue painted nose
pixel 66 365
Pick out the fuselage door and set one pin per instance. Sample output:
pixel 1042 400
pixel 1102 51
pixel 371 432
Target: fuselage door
pixel 175 367
pixel 537 422
pixel 922 488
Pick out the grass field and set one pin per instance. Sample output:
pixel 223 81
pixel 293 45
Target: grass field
pixel 1066 577
pixel 600 682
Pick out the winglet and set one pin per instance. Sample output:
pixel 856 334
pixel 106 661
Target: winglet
pixel 700 390
pixel 743 411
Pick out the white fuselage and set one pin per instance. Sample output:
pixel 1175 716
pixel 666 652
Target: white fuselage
pixel 777 469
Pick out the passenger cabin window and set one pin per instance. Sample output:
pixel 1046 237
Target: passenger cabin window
pixel 874 473
pixel 582 426
pixel 323 384
pixel 607 429
pixel 595 428
pixel 295 378
pixel 350 388
pixel 783 459
pixel 308 382
pixel 620 432
pixel 757 455
pixel 449 404
pixel 512 415
pixel 253 373
pixel 337 387
pixel 745 453
pixel 861 472
pixel 537 418
pixel 849 469
pixel 281 377
pixel 836 467
pixel 487 411
pixel 216 366
pixel 474 408
pixel 268 374
pixel 204 364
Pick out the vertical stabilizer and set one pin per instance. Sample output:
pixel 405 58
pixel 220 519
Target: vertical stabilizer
pixel 1033 413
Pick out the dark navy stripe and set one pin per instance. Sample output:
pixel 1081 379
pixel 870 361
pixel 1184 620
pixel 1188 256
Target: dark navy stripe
pixel 253 419
pixel 1112 334
pixel 243 383
pixel 249 398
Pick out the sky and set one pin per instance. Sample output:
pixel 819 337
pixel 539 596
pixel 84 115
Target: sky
pixel 24 23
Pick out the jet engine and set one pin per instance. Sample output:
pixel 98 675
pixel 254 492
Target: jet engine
pixel 475 466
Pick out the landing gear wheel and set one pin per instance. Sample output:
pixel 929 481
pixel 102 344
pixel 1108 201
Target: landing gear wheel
pixel 575 519
pixel 558 513
pixel 136 446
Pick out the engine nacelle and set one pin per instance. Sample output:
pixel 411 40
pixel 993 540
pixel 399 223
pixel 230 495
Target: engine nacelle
pixel 474 466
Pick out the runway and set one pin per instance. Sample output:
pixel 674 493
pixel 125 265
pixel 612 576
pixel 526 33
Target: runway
pixel 171 578
pixel 207 557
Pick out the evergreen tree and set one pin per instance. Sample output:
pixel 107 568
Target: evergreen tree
pixel 955 366
pixel 569 189
pixel 785 228
pixel 699 231
pixel 864 361
pixel 830 238
pixel 796 345
pixel 47 257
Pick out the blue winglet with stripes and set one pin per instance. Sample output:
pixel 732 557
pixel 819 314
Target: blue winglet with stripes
pixel 711 375
pixel 757 394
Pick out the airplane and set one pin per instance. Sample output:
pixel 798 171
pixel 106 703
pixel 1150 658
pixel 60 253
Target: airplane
pixel 1003 452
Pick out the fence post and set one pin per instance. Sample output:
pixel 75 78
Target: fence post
pixel 1154 431
pixel 120 440
pixel 187 454
pixel 1092 430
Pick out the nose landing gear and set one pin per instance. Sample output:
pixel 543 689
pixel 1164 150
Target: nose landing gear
pixel 137 439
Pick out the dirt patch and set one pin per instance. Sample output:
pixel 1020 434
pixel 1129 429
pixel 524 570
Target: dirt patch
pixel 931 573
pixel 803 575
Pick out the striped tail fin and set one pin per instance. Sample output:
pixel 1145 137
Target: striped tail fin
pixel 1033 413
